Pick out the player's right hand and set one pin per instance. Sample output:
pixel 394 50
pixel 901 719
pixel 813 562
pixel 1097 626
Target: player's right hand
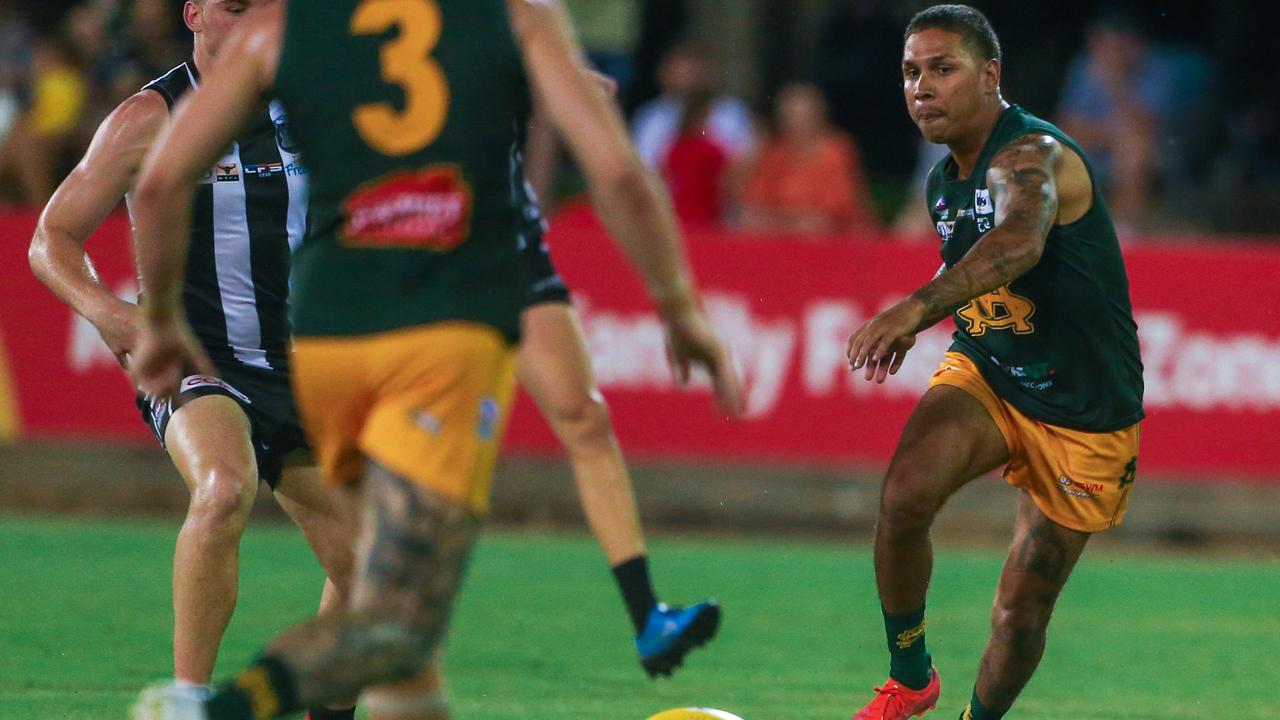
pixel 166 352
pixel 691 341
pixel 882 343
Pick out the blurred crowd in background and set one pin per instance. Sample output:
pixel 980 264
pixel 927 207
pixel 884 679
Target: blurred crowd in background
pixel 785 116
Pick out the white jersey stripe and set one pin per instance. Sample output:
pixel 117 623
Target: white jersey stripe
pixel 231 258
pixel 296 175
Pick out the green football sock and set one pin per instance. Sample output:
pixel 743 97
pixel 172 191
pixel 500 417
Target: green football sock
pixel 909 662
pixel 977 711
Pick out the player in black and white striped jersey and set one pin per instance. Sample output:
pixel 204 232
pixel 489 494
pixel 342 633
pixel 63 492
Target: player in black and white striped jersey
pixel 235 423
pixel 249 212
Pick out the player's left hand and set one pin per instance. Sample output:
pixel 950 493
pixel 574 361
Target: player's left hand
pixel 881 344
pixel 691 341
pixel 165 352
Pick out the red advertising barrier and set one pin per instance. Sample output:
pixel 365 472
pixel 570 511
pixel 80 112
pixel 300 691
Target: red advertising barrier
pixel 66 381
pixel 1209 317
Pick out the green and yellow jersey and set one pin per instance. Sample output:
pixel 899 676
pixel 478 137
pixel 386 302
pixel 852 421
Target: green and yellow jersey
pixel 408 114
pixel 1059 343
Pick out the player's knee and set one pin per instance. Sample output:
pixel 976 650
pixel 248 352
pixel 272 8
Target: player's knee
pixel 903 506
pixel 1021 620
pixel 582 421
pixel 224 495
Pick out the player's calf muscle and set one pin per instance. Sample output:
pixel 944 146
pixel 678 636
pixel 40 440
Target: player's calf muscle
pixel 334 658
pixel 412 557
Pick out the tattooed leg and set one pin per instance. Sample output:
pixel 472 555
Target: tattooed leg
pixel 1040 560
pixel 411 554
pixel 419 698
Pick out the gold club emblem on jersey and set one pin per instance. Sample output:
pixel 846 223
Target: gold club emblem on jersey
pixel 1000 309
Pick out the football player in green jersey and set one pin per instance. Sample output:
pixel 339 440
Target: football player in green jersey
pixel 422 503
pixel 1043 378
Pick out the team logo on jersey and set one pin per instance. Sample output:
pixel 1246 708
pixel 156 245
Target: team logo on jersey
pixel 428 209
pixel 946 229
pixel 284 138
pixel 226 172
pixel 264 169
pixel 999 309
pixel 982 201
pixel 984 224
pixel 940 205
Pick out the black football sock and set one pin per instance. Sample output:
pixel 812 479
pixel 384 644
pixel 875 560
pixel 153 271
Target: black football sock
pixel 909 662
pixel 266 690
pixel 637 589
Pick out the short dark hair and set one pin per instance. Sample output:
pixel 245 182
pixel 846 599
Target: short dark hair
pixel 970 24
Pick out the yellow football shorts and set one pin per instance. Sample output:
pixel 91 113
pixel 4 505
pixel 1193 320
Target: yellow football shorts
pixel 428 403
pixel 1080 480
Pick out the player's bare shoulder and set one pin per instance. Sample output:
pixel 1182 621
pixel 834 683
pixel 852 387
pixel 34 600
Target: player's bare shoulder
pixel 141 116
pixel 124 137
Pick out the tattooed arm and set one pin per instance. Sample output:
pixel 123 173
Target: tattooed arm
pixel 1023 182
pixel 1024 189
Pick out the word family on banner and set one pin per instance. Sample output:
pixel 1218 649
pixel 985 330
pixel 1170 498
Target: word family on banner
pixel 786 306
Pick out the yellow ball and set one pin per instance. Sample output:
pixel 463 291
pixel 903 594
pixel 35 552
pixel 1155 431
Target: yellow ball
pixel 694 714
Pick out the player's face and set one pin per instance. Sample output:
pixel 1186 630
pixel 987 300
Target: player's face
pixel 944 84
pixel 215 19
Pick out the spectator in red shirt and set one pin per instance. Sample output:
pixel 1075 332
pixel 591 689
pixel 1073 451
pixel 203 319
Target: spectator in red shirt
pixel 809 179
pixel 695 167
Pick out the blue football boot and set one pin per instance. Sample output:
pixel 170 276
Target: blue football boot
pixel 671 632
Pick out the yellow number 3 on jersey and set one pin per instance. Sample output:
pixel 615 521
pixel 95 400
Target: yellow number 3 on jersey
pixel 407 62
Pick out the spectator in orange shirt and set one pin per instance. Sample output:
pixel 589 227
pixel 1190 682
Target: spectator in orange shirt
pixel 809 179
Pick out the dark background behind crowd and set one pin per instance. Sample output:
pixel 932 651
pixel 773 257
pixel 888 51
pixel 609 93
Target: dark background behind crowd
pixel 786 116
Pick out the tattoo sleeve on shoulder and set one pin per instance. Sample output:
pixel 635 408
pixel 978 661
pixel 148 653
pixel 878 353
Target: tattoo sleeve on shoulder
pixel 1021 179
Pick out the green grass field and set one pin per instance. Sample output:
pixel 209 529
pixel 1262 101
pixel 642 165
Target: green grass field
pixel 541 633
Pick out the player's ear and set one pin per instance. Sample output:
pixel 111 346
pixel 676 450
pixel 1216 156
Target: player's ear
pixel 193 15
pixel 991 76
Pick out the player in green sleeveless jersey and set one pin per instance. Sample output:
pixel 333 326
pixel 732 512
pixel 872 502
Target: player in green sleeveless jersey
pixel 408 296
pixel 1043 377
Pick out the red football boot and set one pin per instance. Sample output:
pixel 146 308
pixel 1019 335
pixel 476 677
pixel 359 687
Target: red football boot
pixel 896 701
